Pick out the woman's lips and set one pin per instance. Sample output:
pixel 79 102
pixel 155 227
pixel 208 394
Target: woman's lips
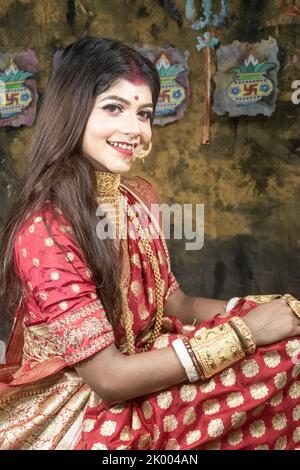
pixel 129 153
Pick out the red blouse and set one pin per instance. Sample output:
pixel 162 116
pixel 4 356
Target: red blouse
pixel 59 288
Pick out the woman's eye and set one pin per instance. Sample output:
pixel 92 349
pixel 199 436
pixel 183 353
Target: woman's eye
pixel 113 108
pixel 146 114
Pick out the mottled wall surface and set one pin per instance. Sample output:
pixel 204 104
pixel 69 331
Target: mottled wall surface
pixel 248 177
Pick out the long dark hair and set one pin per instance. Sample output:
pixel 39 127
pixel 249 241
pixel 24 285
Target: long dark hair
pixel 58 172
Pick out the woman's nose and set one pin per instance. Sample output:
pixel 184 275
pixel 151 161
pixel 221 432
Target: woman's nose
pixel 132 125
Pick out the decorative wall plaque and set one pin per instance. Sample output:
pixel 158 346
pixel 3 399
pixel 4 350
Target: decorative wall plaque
pixel 18 89
pixel 172 66
pixel 246 81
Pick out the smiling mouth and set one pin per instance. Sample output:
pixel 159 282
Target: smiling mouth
pixel 122 145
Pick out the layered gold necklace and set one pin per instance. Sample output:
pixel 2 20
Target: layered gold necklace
pixel 110 196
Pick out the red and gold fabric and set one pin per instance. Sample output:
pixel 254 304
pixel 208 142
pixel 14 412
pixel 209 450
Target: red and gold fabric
pixel 254 404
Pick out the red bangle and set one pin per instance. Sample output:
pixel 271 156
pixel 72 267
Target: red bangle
pixel 193 357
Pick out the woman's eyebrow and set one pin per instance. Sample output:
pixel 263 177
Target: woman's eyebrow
pixel 119 98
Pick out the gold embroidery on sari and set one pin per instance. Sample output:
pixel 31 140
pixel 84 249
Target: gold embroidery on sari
pixel 44 341
pixel 38 345
pixel 38 415
pixel 136 288
pixel 143 312
pixel 90 349
pixel 150 295
pixel 71 317
pixel 261 299
pixel 135 259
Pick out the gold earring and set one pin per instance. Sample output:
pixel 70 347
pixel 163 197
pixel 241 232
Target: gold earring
pixel 144 153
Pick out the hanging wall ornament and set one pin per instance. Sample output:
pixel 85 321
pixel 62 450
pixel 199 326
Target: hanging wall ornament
pixel 207 43
pixel 209 18
pixel 172 66
pixel 18 88
pixel 246 81
pixel 190 10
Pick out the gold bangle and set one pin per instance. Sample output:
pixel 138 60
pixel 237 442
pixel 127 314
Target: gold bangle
pixel 293 303
pixel 217 349
pixel 244 333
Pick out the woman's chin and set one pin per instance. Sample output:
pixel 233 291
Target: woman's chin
pixel 123 167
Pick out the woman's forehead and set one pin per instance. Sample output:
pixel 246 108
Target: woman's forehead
pixel 129 90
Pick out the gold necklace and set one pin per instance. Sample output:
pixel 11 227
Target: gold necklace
pixel 108 193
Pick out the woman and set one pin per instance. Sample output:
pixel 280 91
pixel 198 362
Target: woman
pixel 103 353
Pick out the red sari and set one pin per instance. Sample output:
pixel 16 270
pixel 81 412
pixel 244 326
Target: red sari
pixel 255 404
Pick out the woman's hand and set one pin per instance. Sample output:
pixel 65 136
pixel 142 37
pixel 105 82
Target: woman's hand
pixel 272 322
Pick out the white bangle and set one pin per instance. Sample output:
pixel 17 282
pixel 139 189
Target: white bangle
pixel 185 360
pixel 231 303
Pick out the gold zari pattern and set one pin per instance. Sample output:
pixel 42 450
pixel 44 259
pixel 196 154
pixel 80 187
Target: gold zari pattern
pixel 46 409
pixel 293 303
pixel 261 299
pixel 42 342
pixel 217 349
pixel 109 197
pixel 244 334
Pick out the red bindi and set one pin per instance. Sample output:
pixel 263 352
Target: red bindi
pixel 136 97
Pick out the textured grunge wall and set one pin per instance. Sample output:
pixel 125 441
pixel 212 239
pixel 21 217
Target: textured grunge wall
pixel 248 177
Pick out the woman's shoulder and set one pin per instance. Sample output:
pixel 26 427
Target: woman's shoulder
pixel 38 222
pixel 45 237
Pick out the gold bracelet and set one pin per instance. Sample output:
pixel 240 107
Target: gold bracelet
pixel 293 303
pixel 217 349
pixel 244 333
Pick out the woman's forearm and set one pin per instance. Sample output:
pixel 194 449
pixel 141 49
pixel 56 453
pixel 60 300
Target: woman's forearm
pixel 146 373
pixel 170 371
pixel 116 377
pixel 193 310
